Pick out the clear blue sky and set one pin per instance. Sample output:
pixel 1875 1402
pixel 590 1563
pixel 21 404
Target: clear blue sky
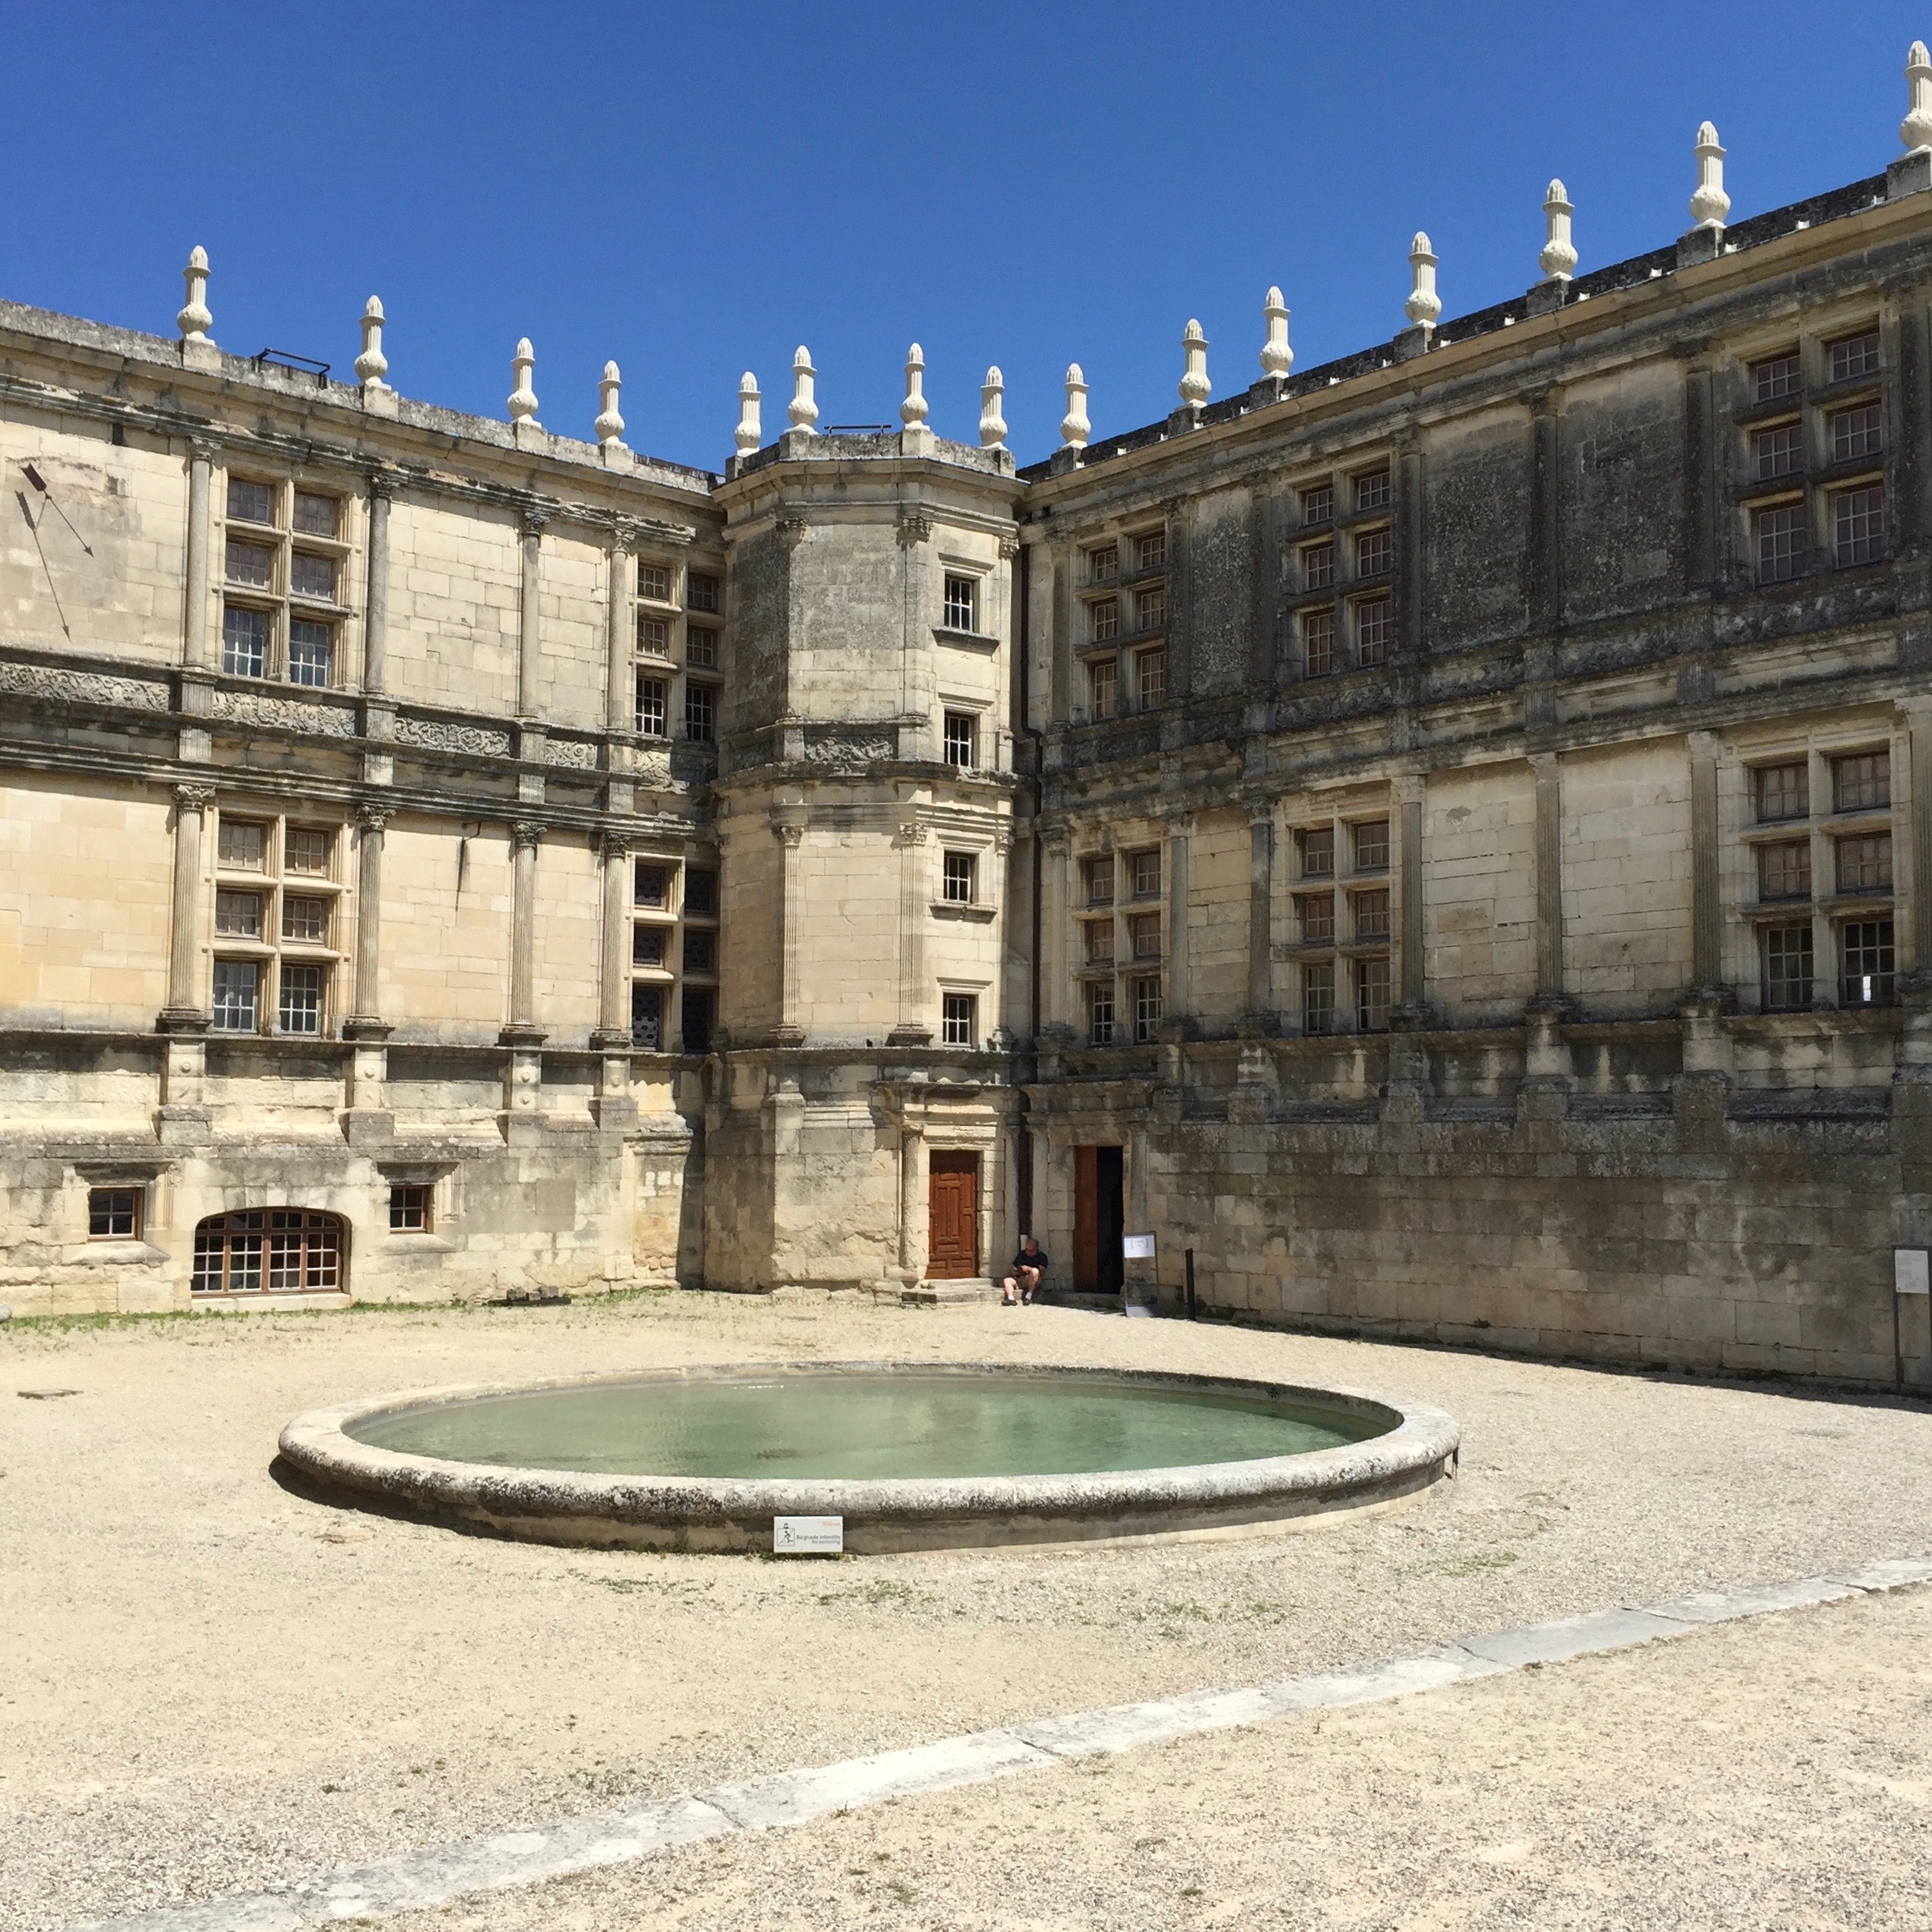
pixel 695 190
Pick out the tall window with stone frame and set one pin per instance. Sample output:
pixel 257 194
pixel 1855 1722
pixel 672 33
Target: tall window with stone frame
pixel 114 1214
pixel 1103 685
pixel 653 706
pixel 284 561
pixel 1145 992
pixel 1787 967
pixel 275 943
pixel 1318 996
pixel 959 878
pixel 958 1019
pixel 1150 677
pixel 962 734
pixel 962 602
pixel 1099 1012
pixel 700 712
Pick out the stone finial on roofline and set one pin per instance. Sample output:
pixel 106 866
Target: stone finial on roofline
pixel 747 433
pixel 1276 357
pixel 1195 388
pixel 1915 131
pixel 194 319
pixel 1558 258
pixel 912 412
pixel 803 412
pixel 1710 204
pixel 993 424
pixel 523 397
pixel 372 365
pixel 609 425
pixel 1424 304
pixel 1075 428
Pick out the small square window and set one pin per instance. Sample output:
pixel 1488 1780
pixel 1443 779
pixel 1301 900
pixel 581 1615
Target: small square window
pixel 1778 451
pixel 1147 1009
pixel 1866 963
pixel 653 636
pixel 960 876
pixel 1150 675
pixel 1103 619
pixel 1784 792
pixel 700 893
pixel 653 707
pixel 701 713
pixel 1150 550
pixel 654 582
pixel 244 642
pixel 1318 643
pixel 305 919
pixel 300 1010
pixel 1865 863
pixel 1852 355
pixel 1144 935
pixel 958 1019
pixel 1103 685
pixel 1317 504
pixel 317 515
pixel 1785 870
pixel 649 945
pixel 962 603
pixel 1098 935
pixel 1318 567
pixel 1318 845
pixel 114 1214
pixel 1371 916
pixel 1858 525
pixel 701 949
pixel 1787 967
pixel 1375 626
pixel 962 740
pixel 251 503
pixel 410 1208
pixel 700 648
pixel 1372 995
pixel 1776 378
pixel 1861 783
pixel 1855 432
pixel 242 844
pixel 311 652
pixel 312 577
pixel 1099 1012
pixel 237 995
pixel 1151 608
pixel 701 593
pixel 1374 554
pixel 1146 872
pixel 252 564
pixel 695 1013
pixel 1318 997
pixel 306 850
pixel 653 885
pixel 1372 490
pixel 1100 882
pixel 647 1019
pixel 1103 563
pixel 237 915
pixel 1779 535
pixel 1371 839
pixel 1315 914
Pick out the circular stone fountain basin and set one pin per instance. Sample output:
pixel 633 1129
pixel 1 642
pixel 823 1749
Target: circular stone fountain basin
pixel 911 1456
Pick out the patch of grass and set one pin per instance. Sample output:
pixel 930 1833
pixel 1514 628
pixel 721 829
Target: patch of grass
pixel 1473 1564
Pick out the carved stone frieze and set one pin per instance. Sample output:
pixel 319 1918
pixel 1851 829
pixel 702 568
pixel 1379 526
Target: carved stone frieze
pixel 441 735
pixel 84 687
pixel 849 747
pixel 284 713
pixel 570 751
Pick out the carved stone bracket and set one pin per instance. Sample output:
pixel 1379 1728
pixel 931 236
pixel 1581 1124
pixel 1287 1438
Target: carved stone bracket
pixel 1009 548
pixel 787 831
pixel 527 831
pixel 373 818
pixel 911 833
pixel 618 845
pixel 915 529
pixel 533 518
pixel 194 797
pixel 790 530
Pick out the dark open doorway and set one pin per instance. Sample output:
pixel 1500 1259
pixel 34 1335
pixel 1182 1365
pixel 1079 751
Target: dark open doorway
pixel 1098 1220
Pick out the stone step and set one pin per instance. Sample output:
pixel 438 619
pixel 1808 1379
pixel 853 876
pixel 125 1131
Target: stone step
pixel 938 1294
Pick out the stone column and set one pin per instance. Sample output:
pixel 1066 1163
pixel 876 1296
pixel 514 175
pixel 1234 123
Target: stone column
pixel 1707 920
pixel 911 1174
pixel 614 1106
pixel 194 613
pixel 1178 825
pixel 368 1118
pixel 1549 874
pixel 1412 993
pixel 790 835
pixel 620 635
pixel 529 646
pixel 914 890
pixel 1261 911
pixel 1054 847
pixel 185 1009
pixel 526 835
pixel 1543 1097
pixel 375 622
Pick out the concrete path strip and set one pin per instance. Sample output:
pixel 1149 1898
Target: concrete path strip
pixel 415 1881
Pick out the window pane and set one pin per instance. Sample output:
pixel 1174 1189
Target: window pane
pixel 300 1008
pixel 113 1214
pixel 1371 915
pixel 1100 882
pixel 244 642
pixel 1854 355
pixel 1784 792
pixel 1318 997
pixel 960 1020
pixel 1318 852
pixel 961 604
pixel 1371 995
pixel 701 713
pixel 1099 1013
pixel 1147 1009
pixel 305 919
pixel 1865 955
pixel 701 891
pixel 653 885
pixel 1372 491
pixel 408 1209
pixel 1146 874
pixel 700 950
pixel 1144 935
pixel 311 652
pixel 1861 783
pixel 1372 631
pixel 1318 503
pixel 1316 913
pixel 962 733
pixel 653 581
pixel 1779 452
pixel 1150 607
pixel 1855 432
pixel 1784 871
pixel 647 1019
pixel 1151 669
pixel 648 945
pixel 312 577
pixel 1775 377
pixel 1317 643
pixel 652 719
pixel 700 648
pixel 1318 567
pixel 1150 551
pixel 653 636
pixel 1103 564
pixel 306 850
pixel 1371 846
pixel 1787 967
pixel 252 503
pixel 1858 525
pixel 249 563
pixel 958 871
pixel 1103 678
pixel 238 915
pixel 235 984
pixel 701 592
pixel 1375 554
pixel 1780 539
pixel 1103 619
pixel 1099 936
pixel 696 1016
pixel 316 515
pixel 1865 863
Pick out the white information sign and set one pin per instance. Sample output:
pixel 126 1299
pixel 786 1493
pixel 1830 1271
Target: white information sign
pixel 807 1536
pixel 1910 1275
pixel 1136 1248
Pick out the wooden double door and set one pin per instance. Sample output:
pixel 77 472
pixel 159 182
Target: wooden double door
pixel 952 1215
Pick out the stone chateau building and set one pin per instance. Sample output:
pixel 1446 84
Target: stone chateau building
pixel 1446 837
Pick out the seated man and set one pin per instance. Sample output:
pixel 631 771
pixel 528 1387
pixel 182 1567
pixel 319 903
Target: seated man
pixel 1028 1266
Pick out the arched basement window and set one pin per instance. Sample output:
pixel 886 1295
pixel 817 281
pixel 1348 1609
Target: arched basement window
pixel 270 1251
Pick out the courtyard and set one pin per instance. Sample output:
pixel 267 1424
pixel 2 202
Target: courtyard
pixel 216 1683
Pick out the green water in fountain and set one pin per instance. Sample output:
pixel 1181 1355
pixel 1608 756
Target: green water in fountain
pixel 882 1426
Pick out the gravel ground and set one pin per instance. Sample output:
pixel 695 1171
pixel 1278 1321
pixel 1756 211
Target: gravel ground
pixel 214 1682
pixel 1775 1774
